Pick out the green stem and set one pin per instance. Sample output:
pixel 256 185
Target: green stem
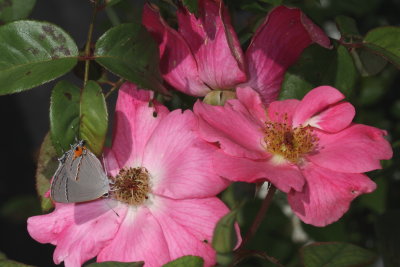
pixel 88 44
pixel 115 86
pixel 260 215
pixel 112 16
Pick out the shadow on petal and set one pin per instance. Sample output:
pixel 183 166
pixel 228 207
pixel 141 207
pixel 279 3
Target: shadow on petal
pixel 89 211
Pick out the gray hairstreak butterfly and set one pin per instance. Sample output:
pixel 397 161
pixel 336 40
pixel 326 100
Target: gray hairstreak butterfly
pixel 79 177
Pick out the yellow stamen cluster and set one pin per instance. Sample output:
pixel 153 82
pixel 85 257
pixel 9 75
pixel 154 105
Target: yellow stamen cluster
pixel 131 186
pixel 290 143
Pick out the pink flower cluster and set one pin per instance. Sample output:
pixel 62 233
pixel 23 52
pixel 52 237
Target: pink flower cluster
pixel 179 161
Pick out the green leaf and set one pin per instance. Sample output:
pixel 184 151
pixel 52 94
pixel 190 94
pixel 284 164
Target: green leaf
pixel 237 193
pixel 280 243
pixel 348 28
pixel 225 238
pixel 335 254
pixel 335 231
pixel 111 2
pixel 388 233
pixel 385 41
pixel 11 263
pixel 191 5
pixel 11 10
pixel 64 115
pixel 75 115
pixel 376 200
pixel 116 264
pixel 395 109
pixel 33 53
pixel 25 205
pixel 319 66
pixel 254 7
pixel 345 76
pixel 273 2
pixel 129 51
pixel 368 63
pixel 46 167
pixel 186 261
pixel 93 117
pixel 374 88
pixel 357 7
pixel 4 262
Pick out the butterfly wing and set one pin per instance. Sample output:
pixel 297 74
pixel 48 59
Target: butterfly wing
pixel 86 179
pixel 58 185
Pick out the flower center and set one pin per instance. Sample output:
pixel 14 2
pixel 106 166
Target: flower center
pixel 290 143
pixel 131 186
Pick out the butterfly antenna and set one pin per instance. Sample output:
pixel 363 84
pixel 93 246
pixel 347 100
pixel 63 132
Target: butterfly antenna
pixel 104 163
pixel 110 206
pixel 110 181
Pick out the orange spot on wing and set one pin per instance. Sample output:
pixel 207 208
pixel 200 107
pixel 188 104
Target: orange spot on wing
pixel 78 151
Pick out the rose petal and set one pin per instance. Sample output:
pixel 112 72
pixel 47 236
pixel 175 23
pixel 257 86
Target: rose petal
pixel 179 161
pixel 333 119
pixel 252 101
pixel 284 176
pixel 314 102
pixel 358 148
pixel 136 116
pixel 282 111
pixel 276 45
pixel 177 63
pixel 214 44
pixel 139 238
pixel 327 194
pixel 80 231
pixel 46 228
pixel 233 126
pixel 194 220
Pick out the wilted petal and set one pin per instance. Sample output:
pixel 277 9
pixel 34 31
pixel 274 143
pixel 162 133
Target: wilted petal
pixel 327 194
pixel 177 63
pixel 276 45
pixel 214 44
